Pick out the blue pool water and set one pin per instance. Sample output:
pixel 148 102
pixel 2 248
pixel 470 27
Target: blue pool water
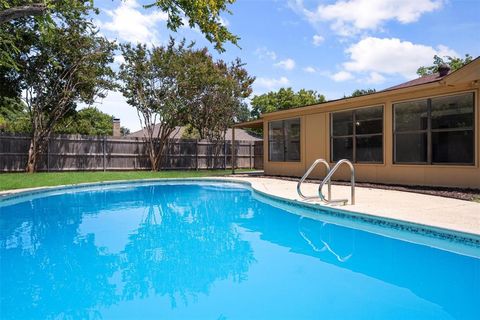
pixel 207 251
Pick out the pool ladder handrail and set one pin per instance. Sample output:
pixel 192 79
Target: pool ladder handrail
pixel 302 179
pixel 328 180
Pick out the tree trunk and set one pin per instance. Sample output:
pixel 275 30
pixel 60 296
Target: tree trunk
pixel 32 157
pixel 152 157
pixel 158 155
pixel 155 155
pixel 37 146
pixel 34 9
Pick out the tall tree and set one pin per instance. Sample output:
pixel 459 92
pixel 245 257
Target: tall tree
pixel 215 92
pixel 149 83
pixel 51 62
pixel 453 62
pixel 283 99
pixel 60 70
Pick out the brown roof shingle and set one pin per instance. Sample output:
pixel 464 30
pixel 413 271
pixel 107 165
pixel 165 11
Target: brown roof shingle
pixel 415 82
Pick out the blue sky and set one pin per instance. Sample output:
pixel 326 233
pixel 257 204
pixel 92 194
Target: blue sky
pixel 333 47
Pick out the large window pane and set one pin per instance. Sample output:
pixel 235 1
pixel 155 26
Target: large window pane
pixel 369 149
pixel 360 128
pixel 342 123
pixel 292 145
pixel 369 120
pixel 342 148
pixel 411 116
pixel 276 143
pixel 452 147
pixel 410 147
pixel 276 151
pixel 452 111
pixel 284 140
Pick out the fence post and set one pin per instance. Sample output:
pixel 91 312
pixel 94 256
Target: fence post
pixel 250 153
pixel 224 154
pixel 234 158
pixel 196 154
pixel 104 153
pixel 48 154
pixel 167 150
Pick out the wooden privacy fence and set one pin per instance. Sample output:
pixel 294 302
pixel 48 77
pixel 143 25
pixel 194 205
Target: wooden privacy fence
pixel 70 153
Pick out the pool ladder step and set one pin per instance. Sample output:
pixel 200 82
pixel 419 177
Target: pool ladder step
pixel 328 180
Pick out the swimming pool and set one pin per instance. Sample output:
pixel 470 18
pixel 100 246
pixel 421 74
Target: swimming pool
pixel 205 250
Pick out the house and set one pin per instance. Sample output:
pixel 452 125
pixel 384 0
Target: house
pixel 240 135
pixel 422 132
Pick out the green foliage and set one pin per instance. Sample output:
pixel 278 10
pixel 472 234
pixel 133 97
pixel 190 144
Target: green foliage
pixel 69 67
pixel 206 15
pixel 202 14
pixel 124 131
pixel 215 92
pixel 190 133
pixel 16 36
pixel 362 92
pixel 13 116
pixel 149 80
pixel 88 121
pixel 452 62
pixel 284 99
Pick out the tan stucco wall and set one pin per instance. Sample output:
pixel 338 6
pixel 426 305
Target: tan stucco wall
pixel 315 129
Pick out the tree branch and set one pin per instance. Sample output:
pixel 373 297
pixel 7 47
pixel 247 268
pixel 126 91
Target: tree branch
pixel 35 9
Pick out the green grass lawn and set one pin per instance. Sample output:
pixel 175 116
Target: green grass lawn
pixel 10 181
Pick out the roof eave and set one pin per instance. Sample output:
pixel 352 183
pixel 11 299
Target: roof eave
pixel 365 97
pixel 249 124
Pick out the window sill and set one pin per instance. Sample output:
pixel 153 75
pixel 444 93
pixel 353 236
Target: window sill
pixel 416 165
pixel 293 162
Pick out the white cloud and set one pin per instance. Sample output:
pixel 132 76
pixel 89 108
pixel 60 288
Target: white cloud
pixel 287 64
pixel 341 76
pixel 129 24
pixel 264 53
pixel 317 40
pixel 271 83
pixel 224 22
pixel 391 56
pixel 309 69
pixel 348 17
pixel 118 59
pixel 374 78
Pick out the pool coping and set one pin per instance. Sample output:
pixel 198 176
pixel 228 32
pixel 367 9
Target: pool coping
pixel 370 222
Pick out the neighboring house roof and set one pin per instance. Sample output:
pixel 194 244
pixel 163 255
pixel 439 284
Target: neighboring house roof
pixel 240 134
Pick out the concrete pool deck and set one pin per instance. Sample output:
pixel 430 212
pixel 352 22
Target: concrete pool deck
pixel 440 212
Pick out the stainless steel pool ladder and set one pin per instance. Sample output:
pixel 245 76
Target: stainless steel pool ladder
pixel 328 180
pixel 302 179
